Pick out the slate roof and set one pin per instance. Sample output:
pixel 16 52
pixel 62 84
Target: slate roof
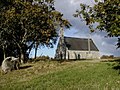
pixel 79 44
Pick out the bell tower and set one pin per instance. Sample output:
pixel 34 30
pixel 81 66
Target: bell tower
pixel 61 35
pixel 62 48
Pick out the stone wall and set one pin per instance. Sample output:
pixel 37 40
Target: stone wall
pixel 73 54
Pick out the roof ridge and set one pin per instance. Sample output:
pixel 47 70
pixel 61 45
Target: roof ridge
pixel 76 38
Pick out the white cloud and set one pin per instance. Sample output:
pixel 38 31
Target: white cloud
pixel 103 43
pixel 106 45
pixel 74 2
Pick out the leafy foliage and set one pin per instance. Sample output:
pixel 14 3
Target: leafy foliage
pixel 24 22
pixel 105 13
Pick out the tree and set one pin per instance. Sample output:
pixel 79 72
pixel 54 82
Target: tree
pixel 105 14
pixel 23 23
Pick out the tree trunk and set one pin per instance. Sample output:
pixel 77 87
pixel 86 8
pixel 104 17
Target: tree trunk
pixel 21 54
pixel 4 55
pixel 35 52
pixel 22 58
pixel 36 46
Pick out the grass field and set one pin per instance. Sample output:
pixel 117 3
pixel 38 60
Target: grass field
pixel 52 75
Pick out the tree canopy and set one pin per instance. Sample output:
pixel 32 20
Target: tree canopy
pixel 25 22
pixel 105 14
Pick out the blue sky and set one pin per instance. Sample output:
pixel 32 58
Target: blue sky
pixel 79 29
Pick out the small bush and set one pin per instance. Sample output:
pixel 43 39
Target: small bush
pixel 107 57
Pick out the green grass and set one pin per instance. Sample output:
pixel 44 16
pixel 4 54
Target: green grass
pixel 75 75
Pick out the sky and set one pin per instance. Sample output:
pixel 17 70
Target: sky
pixel 106 46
